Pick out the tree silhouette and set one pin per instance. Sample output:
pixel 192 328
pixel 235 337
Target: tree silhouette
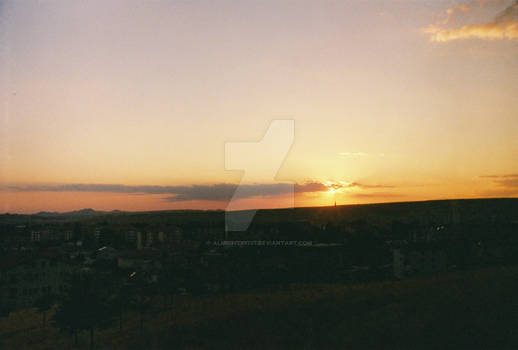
pixel 84 307
pixel 122 301
pixel 43 304
pixel 169 281
pixel 144 290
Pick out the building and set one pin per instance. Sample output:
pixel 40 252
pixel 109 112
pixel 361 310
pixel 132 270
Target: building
pixel 35 236
pixel 157 239
pixel 50 235
pixel 130 237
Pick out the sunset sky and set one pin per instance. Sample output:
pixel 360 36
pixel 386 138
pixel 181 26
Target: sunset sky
pixel 128 104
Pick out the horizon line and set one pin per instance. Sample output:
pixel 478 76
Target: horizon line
pixel 255 209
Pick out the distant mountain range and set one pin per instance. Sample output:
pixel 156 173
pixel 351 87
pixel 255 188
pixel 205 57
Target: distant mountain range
pixel 81 212
pixel 436 211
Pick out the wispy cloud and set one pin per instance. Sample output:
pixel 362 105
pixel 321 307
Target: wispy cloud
pixel 349 185
pixel 451 13
pixel 225 192
pixel 499 176
pixel 214 192
pixel 360 154
pixel 353 154
pixel 503 26
pixel 377 195
pixel 366 186
pixel 508 180
pixel 500 193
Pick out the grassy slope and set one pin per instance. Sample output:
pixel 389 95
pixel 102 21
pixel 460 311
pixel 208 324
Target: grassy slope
pixel 475 309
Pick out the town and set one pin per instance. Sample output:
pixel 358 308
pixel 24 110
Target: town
pixel 140 257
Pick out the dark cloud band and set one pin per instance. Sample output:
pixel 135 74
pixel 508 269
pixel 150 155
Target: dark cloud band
pixel 214 192
pixel 507 180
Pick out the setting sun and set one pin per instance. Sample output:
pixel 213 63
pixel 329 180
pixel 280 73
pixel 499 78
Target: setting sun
pixel 229 174
pixel 110 119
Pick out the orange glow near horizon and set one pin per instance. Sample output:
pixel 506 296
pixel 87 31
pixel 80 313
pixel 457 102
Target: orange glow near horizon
pixel 100 94
pixel 33 202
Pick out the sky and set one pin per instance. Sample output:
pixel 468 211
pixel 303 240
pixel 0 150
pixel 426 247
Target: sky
pixel 129 104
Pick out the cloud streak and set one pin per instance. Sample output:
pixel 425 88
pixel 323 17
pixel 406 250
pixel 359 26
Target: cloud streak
pixel 377 195
pixel 508 180
pixel 214 192
pixel 225 192
pixel 359 154
pixel 503 26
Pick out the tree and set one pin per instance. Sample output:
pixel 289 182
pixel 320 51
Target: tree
pixel 83 308
pixel 44 304
pixel 144 292
pixel 169 281
pixel 122 300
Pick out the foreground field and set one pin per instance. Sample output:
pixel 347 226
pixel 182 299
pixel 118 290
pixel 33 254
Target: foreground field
pixel 461 310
